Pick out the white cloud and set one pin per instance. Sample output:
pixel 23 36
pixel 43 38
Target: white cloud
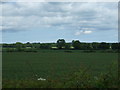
pixel 83 32
pixel 70 16
pixel 1 27
pixel 78 33
pixel 87 32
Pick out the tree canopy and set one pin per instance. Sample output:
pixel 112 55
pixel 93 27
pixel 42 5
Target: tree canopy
pixel 61 43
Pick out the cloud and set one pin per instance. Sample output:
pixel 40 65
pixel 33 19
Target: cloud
pixel 87 32
pixel 20 16
pixel 83 32
pixel 78 33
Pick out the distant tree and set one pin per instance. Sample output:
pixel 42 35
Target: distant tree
pixel 5 45
pixel 104 45
pixel 76 44
pixel 36 45
pixel 85 46
pixel 8 45
pixel 19 46
pixel 115 46
pixel 28 44
pixel 60 43
pixel 45 46
pixel 95 45
pixel 67 45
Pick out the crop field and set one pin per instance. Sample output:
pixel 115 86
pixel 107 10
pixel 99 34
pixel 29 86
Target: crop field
pixel 54 64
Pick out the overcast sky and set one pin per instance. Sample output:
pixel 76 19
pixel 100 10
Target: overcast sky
pixel 49 21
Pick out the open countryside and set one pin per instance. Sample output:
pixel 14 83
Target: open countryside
pixel 39 62
pixel 67 44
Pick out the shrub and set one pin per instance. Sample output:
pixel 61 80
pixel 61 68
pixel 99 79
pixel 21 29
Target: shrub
pixel 79 79
pixel 11 50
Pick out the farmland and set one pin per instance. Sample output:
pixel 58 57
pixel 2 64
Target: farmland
pixel 60 65
pixel 53 64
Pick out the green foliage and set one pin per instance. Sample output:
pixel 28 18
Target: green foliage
pixel 85 46
pixel 81 78
pixel 36 45
pixel 115 46
pixel 60 43
pixel 95 45
pixel 104 46
pixel 10 50
pixel 45 46
pixel 19 46
pixel 67 46
pixel 76 44
pixel 108 79
pixel 53 63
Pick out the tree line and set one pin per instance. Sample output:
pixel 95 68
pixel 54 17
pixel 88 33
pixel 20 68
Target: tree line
pixel 61 44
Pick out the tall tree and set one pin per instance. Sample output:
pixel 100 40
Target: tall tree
pixel 19 46
pixel 76 44
pixel 67 45
pixel 95 45
pixel 61 43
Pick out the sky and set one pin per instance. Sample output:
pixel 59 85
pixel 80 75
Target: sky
pixel 50 21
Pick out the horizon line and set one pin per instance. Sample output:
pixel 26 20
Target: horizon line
pixel 56 41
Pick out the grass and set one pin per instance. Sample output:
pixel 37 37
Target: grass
pixel 53 65
pixel 79 79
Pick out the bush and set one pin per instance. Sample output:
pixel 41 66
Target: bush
pixel 10 50
pixel 82 78
pixel 79 79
